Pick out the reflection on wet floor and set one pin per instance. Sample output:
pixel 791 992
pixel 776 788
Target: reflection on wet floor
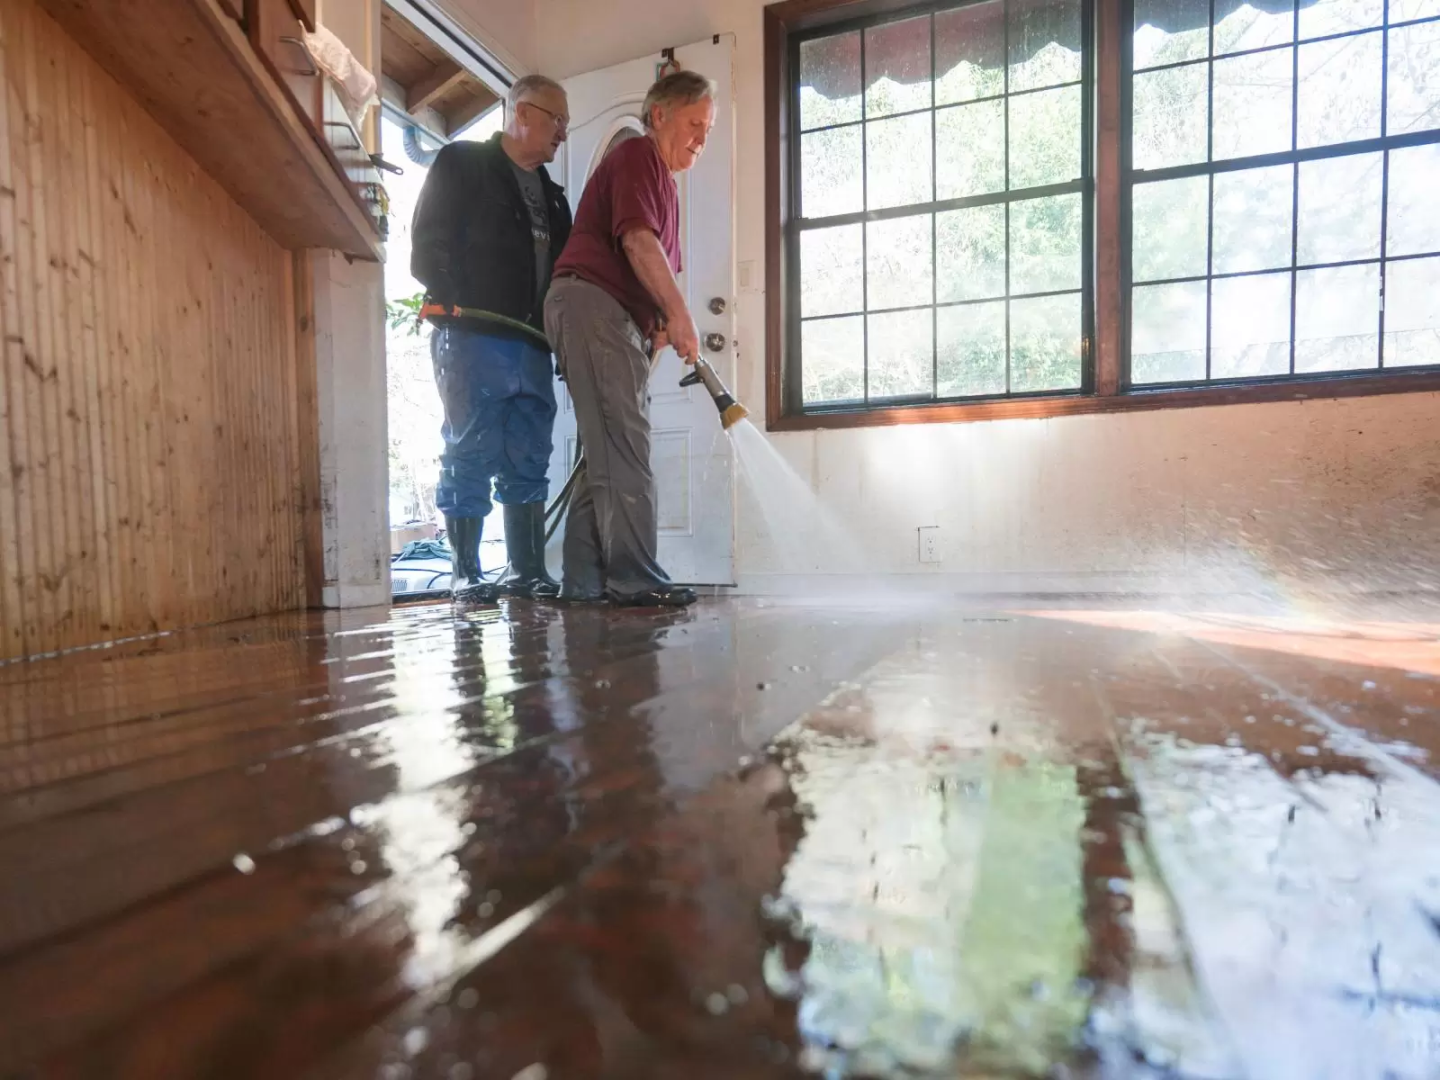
pixel 749 840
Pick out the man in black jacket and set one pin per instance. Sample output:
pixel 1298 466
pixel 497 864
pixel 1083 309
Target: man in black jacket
pixel 488 227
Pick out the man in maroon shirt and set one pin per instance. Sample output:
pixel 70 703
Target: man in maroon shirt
pixel 613 305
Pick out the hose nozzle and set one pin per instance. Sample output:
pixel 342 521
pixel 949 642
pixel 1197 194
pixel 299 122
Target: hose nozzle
pixel 731 411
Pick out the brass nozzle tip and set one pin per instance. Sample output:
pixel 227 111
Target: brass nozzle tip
pixel 733 415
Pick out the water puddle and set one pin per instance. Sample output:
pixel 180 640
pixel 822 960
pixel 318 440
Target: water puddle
pixel 937 891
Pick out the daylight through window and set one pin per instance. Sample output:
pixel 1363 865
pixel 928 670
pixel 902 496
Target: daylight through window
pixel 1284 213
pixel 939 222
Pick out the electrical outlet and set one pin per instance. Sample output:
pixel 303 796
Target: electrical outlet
pixel 930 544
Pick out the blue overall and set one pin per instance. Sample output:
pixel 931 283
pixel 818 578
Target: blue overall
pixel 499 396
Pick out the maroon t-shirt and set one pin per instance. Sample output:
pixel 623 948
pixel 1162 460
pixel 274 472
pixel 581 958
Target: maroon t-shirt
pixel 631 187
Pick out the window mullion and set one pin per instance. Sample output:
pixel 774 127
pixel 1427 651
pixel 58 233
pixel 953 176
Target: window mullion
pixel 1210 195
pixel 1294 180
pixel 864 235
pixel 1384 178
pixel 934 238
pixel 1005 86
pixel 1109 235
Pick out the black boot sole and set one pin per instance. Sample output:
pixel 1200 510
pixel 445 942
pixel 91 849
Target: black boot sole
pixel 581 601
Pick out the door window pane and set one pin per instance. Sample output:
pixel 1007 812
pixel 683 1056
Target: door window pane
pixel 1169 222
pixel 1250 326
pixel 830 81
pixel 897 254
pixel 971 340
pixel 1252 219
pixel 897 67
pixel 831 271
pixel 832 360
pixel 830 178
pixel 1167 339
pixel 970 253
pixel 1043 146
pixel 1170 117
pixel 897 161
pixel 1340 208
pixel 902 354
pixel 1045 344
pixel 1337 318
pixel 970 150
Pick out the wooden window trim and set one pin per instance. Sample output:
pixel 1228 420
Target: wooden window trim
pixel 794 16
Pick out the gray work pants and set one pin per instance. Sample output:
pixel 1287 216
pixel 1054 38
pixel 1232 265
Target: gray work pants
pixel 610 533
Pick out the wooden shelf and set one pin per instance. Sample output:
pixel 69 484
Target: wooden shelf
pixel 191 66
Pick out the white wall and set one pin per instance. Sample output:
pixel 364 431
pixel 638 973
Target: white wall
pixel 1200 497
pixel 505 27
pixel 354 464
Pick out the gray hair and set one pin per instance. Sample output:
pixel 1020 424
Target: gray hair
pixel 677 88
pixel 523 88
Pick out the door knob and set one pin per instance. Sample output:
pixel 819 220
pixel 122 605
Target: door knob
pixel 714 342
pixel 717 306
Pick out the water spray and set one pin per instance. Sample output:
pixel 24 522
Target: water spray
pixel 731 411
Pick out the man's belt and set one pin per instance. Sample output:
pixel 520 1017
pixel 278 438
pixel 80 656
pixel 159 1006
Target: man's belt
pixel 430 310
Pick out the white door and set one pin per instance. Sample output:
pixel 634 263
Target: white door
pixel 692 457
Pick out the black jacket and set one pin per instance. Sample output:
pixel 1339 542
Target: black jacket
pixel 471 244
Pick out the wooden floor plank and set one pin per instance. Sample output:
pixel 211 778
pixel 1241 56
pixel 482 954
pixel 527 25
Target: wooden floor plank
pixel 752 839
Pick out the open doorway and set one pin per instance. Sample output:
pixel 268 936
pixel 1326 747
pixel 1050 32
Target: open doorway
pixel 414 405
pixel 433 93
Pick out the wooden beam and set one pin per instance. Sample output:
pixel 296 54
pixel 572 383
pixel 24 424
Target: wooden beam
pixel 477 105
pixel 446 77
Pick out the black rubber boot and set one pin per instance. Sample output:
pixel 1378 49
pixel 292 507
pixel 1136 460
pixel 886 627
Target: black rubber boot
pixel 542 585
pixel 525 544
pixel 466 583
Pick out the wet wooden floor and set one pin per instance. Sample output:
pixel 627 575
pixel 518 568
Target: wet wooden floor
pixel 749 840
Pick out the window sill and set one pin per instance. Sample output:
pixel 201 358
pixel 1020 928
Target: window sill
pixel 1037 408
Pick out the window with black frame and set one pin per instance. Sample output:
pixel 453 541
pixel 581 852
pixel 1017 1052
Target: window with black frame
pixel 939 220
pixel 1285 199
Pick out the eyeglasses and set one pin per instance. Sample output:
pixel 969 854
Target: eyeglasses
pixel 561 122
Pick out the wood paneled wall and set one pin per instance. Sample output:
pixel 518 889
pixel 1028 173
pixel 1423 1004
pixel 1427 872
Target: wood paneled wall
pixel 149 436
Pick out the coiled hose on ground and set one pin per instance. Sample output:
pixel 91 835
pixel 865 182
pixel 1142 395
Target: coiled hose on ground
pixel 555 512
